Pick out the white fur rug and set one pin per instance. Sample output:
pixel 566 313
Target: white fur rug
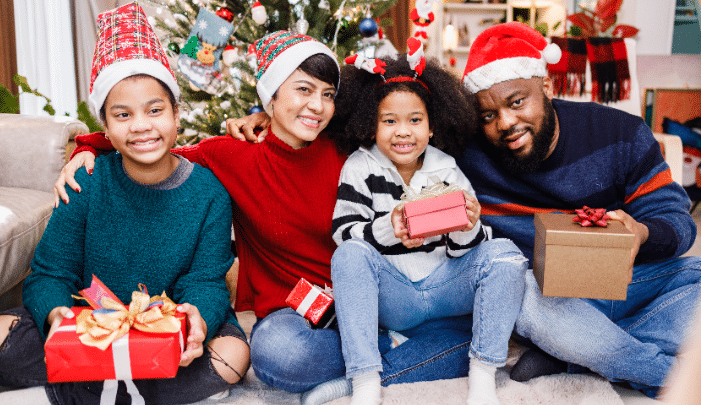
pixel 584 389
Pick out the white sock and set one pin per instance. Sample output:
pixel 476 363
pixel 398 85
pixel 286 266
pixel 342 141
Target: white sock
pixel 481 383
pixel 327 392
pixel 33 395
pixel 367 389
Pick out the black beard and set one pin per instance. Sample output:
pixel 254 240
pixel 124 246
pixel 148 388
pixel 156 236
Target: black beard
pixel 541 145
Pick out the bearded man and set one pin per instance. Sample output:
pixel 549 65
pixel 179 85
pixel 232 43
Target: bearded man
pixel 540 154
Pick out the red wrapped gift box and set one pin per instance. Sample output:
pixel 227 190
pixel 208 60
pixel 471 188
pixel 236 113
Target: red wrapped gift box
pixel 136 355
pixel 312 303
pixel 436 215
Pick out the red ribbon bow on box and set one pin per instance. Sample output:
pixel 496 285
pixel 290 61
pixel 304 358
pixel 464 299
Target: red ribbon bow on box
pixel 591 216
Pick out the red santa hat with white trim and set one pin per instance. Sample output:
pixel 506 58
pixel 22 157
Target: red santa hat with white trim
pixel 126 46
pixel 505 52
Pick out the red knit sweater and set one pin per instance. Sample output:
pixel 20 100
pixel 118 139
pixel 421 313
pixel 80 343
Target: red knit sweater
pixel 283 206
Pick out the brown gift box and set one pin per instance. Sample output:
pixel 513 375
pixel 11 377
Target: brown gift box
pixel 570 260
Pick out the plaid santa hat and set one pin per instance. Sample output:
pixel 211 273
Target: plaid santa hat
pixel 126 46
pixel 278 55
pixel 507 51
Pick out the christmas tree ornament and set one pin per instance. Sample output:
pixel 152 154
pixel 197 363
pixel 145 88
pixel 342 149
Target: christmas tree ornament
pixel 258 13
pixel 255 109
pixel 293 2
pixel 226 14
pixel 175 48
pixel 229 55
pixel 367 27
pixel 302 26
pixel 324 5
pixel 422 17
pixel 199 58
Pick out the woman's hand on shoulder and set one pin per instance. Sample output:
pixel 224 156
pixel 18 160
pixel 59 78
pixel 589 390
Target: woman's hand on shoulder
pixel 401 231
pixel 196 334
pixel 244 129
pixel 67 176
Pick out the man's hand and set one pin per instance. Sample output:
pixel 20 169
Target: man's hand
pixel 401 231
pixel 197 332
pixel 67 176
pixel 244 128
pixel 639 230
pixel 473 209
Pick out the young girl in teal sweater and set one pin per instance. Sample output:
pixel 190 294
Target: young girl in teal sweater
pixel 145 217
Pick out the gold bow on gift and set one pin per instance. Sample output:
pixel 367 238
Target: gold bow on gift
pixel 100 327
pixel 431 190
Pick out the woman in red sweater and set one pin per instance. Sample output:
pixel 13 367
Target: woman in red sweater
pixel 284 193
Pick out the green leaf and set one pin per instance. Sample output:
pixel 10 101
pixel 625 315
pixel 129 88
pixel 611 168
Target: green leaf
pixel 9 104
pixel 49 109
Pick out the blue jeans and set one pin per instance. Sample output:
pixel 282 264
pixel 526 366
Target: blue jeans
pixel 635 340
pixel 287 354
pixel 368 290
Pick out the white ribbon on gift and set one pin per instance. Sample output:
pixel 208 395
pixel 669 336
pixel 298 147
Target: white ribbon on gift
pixel 308 300
pixel 122 369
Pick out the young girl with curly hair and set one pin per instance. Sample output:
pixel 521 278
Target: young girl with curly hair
pixel 403 124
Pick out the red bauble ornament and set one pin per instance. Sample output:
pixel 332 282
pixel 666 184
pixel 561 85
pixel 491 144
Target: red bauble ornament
pixel 226 14
pixel 452 61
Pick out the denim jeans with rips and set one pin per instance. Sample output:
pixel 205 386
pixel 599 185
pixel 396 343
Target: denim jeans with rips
pixel 635 340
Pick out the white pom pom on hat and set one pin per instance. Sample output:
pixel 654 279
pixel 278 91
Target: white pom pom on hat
pixel 505 52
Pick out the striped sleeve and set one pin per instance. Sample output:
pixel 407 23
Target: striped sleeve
pixel 355 216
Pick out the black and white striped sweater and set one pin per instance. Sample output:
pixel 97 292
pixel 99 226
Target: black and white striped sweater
pixel 370 187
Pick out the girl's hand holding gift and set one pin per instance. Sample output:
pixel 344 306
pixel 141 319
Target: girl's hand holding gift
pixel 55 318
pixel 195 335
pixel 473 209
pixel 401 231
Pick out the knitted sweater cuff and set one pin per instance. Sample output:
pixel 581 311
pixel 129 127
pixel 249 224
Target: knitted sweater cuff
pixel 661 242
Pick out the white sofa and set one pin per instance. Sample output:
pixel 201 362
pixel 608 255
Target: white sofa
pixel 32 152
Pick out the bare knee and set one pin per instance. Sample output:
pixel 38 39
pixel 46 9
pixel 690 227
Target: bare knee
pixel 7 322
pixel 230 357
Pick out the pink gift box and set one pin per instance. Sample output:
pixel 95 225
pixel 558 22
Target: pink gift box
pixel 313 303
pixel 436 215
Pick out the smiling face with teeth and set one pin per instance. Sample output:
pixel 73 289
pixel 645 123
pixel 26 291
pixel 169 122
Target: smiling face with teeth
pixel 141 123
pixel 403 131
pixel 302 107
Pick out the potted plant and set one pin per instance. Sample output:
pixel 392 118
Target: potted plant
pixel 601 21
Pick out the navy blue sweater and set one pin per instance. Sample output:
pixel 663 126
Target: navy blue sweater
pixel 605 158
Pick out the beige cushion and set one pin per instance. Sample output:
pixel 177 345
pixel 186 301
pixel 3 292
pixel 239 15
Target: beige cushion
pixel 24 214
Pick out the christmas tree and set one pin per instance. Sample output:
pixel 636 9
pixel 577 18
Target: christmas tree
pixel 210 41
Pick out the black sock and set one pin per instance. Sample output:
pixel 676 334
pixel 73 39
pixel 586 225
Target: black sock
pixel 535 363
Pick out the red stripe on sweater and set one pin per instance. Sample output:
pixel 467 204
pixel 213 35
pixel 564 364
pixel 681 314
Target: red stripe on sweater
pixel 516 209
pixel 658 181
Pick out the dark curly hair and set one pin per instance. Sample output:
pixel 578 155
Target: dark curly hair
pixel 451 108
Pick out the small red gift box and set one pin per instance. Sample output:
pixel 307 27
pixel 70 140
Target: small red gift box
pixel 313 303
pixel 436 215
pixel 136 355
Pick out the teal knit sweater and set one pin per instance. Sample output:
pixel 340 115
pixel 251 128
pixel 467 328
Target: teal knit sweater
pixel 177 241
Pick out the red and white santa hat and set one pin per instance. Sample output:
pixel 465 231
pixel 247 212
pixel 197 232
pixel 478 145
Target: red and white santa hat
pixel 279 54
pixel 126 46
pixel 507 51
